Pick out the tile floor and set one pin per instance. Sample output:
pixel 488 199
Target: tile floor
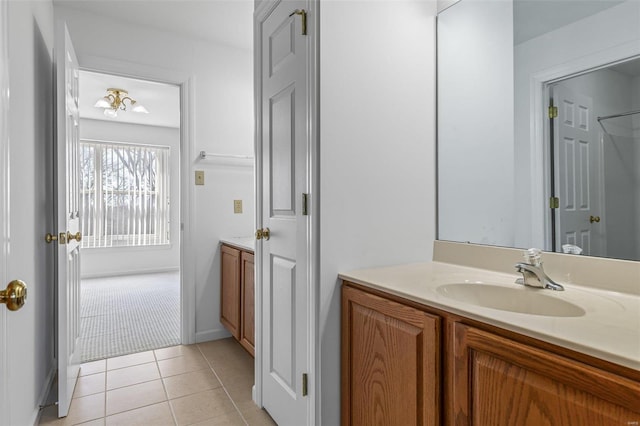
pixel 203 384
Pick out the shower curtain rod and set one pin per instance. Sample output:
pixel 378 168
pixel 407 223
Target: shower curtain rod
pixel 624 114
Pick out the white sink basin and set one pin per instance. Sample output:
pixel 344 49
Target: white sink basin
pixel 514 299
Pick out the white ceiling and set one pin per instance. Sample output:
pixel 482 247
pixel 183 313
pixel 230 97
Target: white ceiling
pixel 630 68
pixel 224 21
pixel 536 17
pixel 161 100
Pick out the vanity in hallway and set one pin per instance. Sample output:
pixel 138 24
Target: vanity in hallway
pixel 237 293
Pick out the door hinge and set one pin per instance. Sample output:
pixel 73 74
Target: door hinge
pixel 553 111
pixel 554 202
pixel 305 384
pixel 305 204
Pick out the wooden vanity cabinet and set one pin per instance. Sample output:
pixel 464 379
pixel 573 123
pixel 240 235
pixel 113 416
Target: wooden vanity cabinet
pixel 237 295
pixel 396 353
pixel 230 289
pixel 500 381
pixel 390 362
pixel 247 302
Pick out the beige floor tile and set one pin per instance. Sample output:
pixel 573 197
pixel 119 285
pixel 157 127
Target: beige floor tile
pixel 189 383
pixel 93 367
pixel 175 351
pixel 232 369
pixel 130 360
pixel 258 417
pixel 132 375
pixel 135 396
pixel 240 389
pixel 88 385
pixel 97 422
pixel 201 406
pixel 182 364
pixel 49 416
pixel 232 418
pixel 86 408
pixel 156 415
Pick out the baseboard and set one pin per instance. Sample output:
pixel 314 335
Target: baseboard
pixel 44 393
pixel 130 272
pixel 212 334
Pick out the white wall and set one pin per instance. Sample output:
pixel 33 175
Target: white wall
pixel 98 262
pixel 611 94
pixel 607 31
pixel 377 161
pixel 223 123
pixel 475 124
pixel 30 330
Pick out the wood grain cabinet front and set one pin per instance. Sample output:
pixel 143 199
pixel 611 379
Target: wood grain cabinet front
pixel 230 289
pixel 237 301
pixel 390 362
pixel 404 363
pixel 503 382
pixel 247 302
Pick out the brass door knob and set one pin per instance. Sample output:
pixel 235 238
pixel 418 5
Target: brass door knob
pixel 14 295
pixel 263 234
pixel 77 236
pixel 595 219
pixel 49 238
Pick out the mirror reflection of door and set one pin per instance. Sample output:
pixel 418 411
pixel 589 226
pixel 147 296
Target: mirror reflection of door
pixel 595 144
pixel 577 174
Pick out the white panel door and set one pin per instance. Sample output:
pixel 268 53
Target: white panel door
pixel 577 170
pixel 4 205
pixel 66 199
pixel 285 278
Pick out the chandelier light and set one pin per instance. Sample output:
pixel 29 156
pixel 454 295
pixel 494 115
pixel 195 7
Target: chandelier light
pixel 116 100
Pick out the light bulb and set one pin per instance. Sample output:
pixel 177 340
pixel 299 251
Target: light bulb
pixel 103 103
pixel 111 113
pixel 139 108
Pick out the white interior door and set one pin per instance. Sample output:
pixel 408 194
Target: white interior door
pixel 285 256
pixel 66 199
pixel 4 204
pixel 577 167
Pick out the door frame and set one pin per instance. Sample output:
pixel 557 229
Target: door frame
pixel 186 82
pixel 539 129
pixel 261 13
pixel 5 415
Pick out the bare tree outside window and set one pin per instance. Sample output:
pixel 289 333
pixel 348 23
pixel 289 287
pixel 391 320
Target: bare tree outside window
pixel 125 194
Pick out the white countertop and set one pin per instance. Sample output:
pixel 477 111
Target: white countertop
pixel 243 243
pixel 609 329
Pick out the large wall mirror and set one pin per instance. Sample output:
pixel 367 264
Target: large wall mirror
pixel 539 125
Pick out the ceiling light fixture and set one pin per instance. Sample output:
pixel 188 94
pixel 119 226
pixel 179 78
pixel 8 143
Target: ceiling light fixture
pixel 116 100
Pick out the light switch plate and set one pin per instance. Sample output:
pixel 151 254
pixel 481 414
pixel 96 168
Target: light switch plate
pixel 199 177
pixel 237 206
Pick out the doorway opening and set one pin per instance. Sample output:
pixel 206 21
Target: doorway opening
pixel 129 167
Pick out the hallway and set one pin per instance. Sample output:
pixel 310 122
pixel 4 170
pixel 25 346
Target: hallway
pixel 205 384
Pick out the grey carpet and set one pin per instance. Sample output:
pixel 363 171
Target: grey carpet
pixel 128 314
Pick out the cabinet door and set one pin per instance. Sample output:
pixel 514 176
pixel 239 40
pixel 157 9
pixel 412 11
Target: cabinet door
pixel 498 381
pixel 390 362
pixel 230 290
pixel 247 282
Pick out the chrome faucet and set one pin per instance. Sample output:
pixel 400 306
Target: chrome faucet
pixel 533 274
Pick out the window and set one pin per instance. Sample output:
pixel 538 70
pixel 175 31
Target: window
pixel 124 194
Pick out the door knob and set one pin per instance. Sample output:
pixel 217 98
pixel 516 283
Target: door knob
pixel 77 236
pixel 62 239
pixel 263 234
pixel 14 295
pixel 595 219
